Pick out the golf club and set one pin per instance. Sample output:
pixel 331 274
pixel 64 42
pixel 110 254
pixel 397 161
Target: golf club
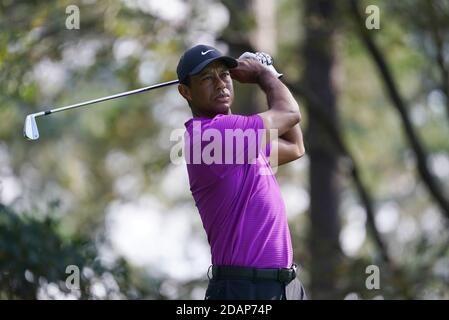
pixel 31 132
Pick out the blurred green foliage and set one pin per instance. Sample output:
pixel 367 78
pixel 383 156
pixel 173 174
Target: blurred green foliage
pixel 34 257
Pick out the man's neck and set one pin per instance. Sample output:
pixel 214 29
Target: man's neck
pixel 201 115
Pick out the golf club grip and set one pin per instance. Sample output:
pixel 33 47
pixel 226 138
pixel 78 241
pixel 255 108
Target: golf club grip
pixel 263 58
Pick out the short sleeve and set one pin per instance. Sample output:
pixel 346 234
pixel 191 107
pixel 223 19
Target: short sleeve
pixel 268 150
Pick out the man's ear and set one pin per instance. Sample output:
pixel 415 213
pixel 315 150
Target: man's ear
pixel 185 91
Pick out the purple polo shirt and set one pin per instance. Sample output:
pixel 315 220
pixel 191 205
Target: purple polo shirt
pixel 236 192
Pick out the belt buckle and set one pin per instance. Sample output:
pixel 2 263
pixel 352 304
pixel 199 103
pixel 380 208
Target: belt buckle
pixel 294 268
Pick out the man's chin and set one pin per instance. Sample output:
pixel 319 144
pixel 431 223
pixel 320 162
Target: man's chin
pixel 223 109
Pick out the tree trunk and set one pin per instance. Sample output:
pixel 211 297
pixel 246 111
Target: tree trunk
pixel 325 226
pixel 252 29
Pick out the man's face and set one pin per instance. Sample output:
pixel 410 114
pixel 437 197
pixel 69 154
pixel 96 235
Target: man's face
pixel 211 91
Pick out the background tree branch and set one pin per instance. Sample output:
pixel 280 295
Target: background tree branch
pixel 398 103
pixel 437 36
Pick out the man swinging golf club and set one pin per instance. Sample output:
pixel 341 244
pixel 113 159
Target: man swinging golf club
pixel 241 206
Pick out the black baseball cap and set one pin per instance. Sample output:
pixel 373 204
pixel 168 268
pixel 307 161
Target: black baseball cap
pixel 197 58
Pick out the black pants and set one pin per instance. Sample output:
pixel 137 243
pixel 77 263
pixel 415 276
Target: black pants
pixel 254 290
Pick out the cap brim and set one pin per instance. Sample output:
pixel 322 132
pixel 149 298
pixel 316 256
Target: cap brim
pixel 229 62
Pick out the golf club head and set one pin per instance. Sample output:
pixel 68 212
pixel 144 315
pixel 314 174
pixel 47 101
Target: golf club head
pixel 30 130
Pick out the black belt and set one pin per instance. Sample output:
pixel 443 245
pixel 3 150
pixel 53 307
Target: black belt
pixel 284 275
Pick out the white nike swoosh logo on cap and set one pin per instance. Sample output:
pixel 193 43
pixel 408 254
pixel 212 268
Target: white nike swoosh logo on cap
pixel 206 52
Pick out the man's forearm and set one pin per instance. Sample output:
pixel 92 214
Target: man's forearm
pixel 278 96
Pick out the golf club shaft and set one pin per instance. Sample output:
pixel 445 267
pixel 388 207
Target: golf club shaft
pixel 118 95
